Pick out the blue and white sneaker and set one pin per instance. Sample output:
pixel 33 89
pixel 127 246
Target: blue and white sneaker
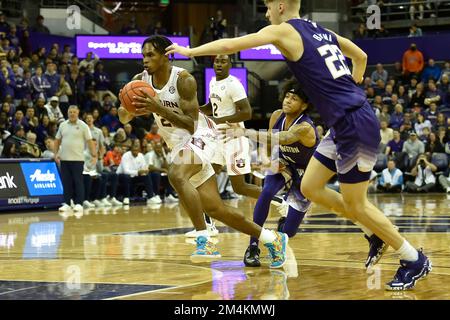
pixel 409 273
pixel 206 251
pixel 277 249
pixel 377 248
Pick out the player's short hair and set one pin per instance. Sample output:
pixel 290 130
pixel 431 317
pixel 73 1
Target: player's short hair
pixel 294 87
pixel 160 43
pixel 291 2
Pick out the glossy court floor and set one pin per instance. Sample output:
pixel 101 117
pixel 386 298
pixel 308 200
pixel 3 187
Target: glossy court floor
pixel 141 253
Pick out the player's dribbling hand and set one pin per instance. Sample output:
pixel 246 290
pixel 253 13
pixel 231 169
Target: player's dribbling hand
pixel 145 104
pixel 174 48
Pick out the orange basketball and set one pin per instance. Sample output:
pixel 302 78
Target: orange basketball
pixel 131 89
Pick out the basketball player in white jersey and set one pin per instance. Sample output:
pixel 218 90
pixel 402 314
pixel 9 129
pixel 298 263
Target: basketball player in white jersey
pixel 192 138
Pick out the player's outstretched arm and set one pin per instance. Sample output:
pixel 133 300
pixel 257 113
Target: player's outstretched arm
pixel 266 35
pixel 359 57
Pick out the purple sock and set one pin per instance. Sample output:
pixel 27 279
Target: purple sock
pixel 293 220
pixel 272 184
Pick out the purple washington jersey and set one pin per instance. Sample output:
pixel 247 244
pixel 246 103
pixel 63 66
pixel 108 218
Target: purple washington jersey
pixel 323 73
pixel 296 154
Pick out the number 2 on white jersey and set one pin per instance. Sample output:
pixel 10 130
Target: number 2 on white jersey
pixel 330 60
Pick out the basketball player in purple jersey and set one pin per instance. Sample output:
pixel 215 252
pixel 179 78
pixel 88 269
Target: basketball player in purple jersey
pixel 316 57
pixel 294 150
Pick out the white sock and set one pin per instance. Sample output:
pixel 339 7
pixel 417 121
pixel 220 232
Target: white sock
pixel 408 252
pixel 364 229
pixel 267 236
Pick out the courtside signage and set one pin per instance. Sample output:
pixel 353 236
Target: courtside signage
pixel 42 178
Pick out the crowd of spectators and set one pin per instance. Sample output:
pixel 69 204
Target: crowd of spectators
pixel 36 89
pixel 412 103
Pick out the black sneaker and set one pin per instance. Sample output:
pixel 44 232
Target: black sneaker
pixel 281 223
pixel 251 257
pixel 377 248
pixel 409 273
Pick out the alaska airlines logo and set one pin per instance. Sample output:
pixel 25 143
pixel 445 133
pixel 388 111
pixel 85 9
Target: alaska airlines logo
pixel 43 180
pixel 215 96
pixel 38 176
pixel 7 181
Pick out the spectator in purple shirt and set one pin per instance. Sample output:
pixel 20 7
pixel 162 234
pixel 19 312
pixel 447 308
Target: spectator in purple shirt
pixel 40 84
pixel 432 113
pixel 433 94
pixel 102 83
pixel 111 120
pixel 396 117
pixel 4 26
pixel 19 119
pixel 53 78
pixel 7 82
pixel 395 145
pixel 13 37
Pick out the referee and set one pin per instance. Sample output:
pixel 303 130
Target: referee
pixel 71 138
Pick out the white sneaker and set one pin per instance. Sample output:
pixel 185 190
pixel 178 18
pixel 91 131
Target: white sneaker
pixel 88 205
pixel 126 201
pixel 448 189
pixel 65 207
pixel 171 199
pixel 78 208
pixel 98 204
pixel 106 203
pixel 154 200
pixel 115 202
pixel 212 230
pixel 72 204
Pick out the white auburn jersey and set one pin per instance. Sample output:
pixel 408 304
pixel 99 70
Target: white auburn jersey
pixel 223 95
pixel 170 97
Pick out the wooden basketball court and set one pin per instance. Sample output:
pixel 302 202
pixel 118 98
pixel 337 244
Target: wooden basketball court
pixel 141 253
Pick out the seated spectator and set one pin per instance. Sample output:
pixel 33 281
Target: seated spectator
pixel 40 84
pixel 413 147
pixel 433 94
pixel 32 120
pixel 387 134
pixel 106 136
pixel 361 32
pixel 111 120
pixel 107 103
pixel 384 115
pixel 153 134
pixel 387 95
pixel 396 119
pixel 4 25
pixel 444 180
pixel 63 93
pixel 425 179
pixel 392 103
pixel 395 145
pixel 377 105
pixel 131 27
pixel 380 88
pixel 40 27
pixel 379 73
pixel 391 180
pixel 19 119
pixel 440 122
pixel 103 83
pixel 381 33
pixel 112 159
pixel 444 88
pixel 89 62
pixel 431 114
pixel 415 31
pixel 120 139
pixel 424 137
pixel 9 150
pixel 443 135
pixel 97 118
pixel 367 83
pixel 7 82
pixel 434 144
pixel 158 165
pixel 129 131
pixel 133 170
pixel 30 149
pixel 53 110
pixel 422 123
pixel 418 96
pixel 50 147
pixel 9 109
pixel 432 71
pixel 370 92
pixel 403 97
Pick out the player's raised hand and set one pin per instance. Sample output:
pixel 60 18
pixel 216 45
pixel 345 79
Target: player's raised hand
pixel 175 48
pixel 124 115
pixel 145 104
